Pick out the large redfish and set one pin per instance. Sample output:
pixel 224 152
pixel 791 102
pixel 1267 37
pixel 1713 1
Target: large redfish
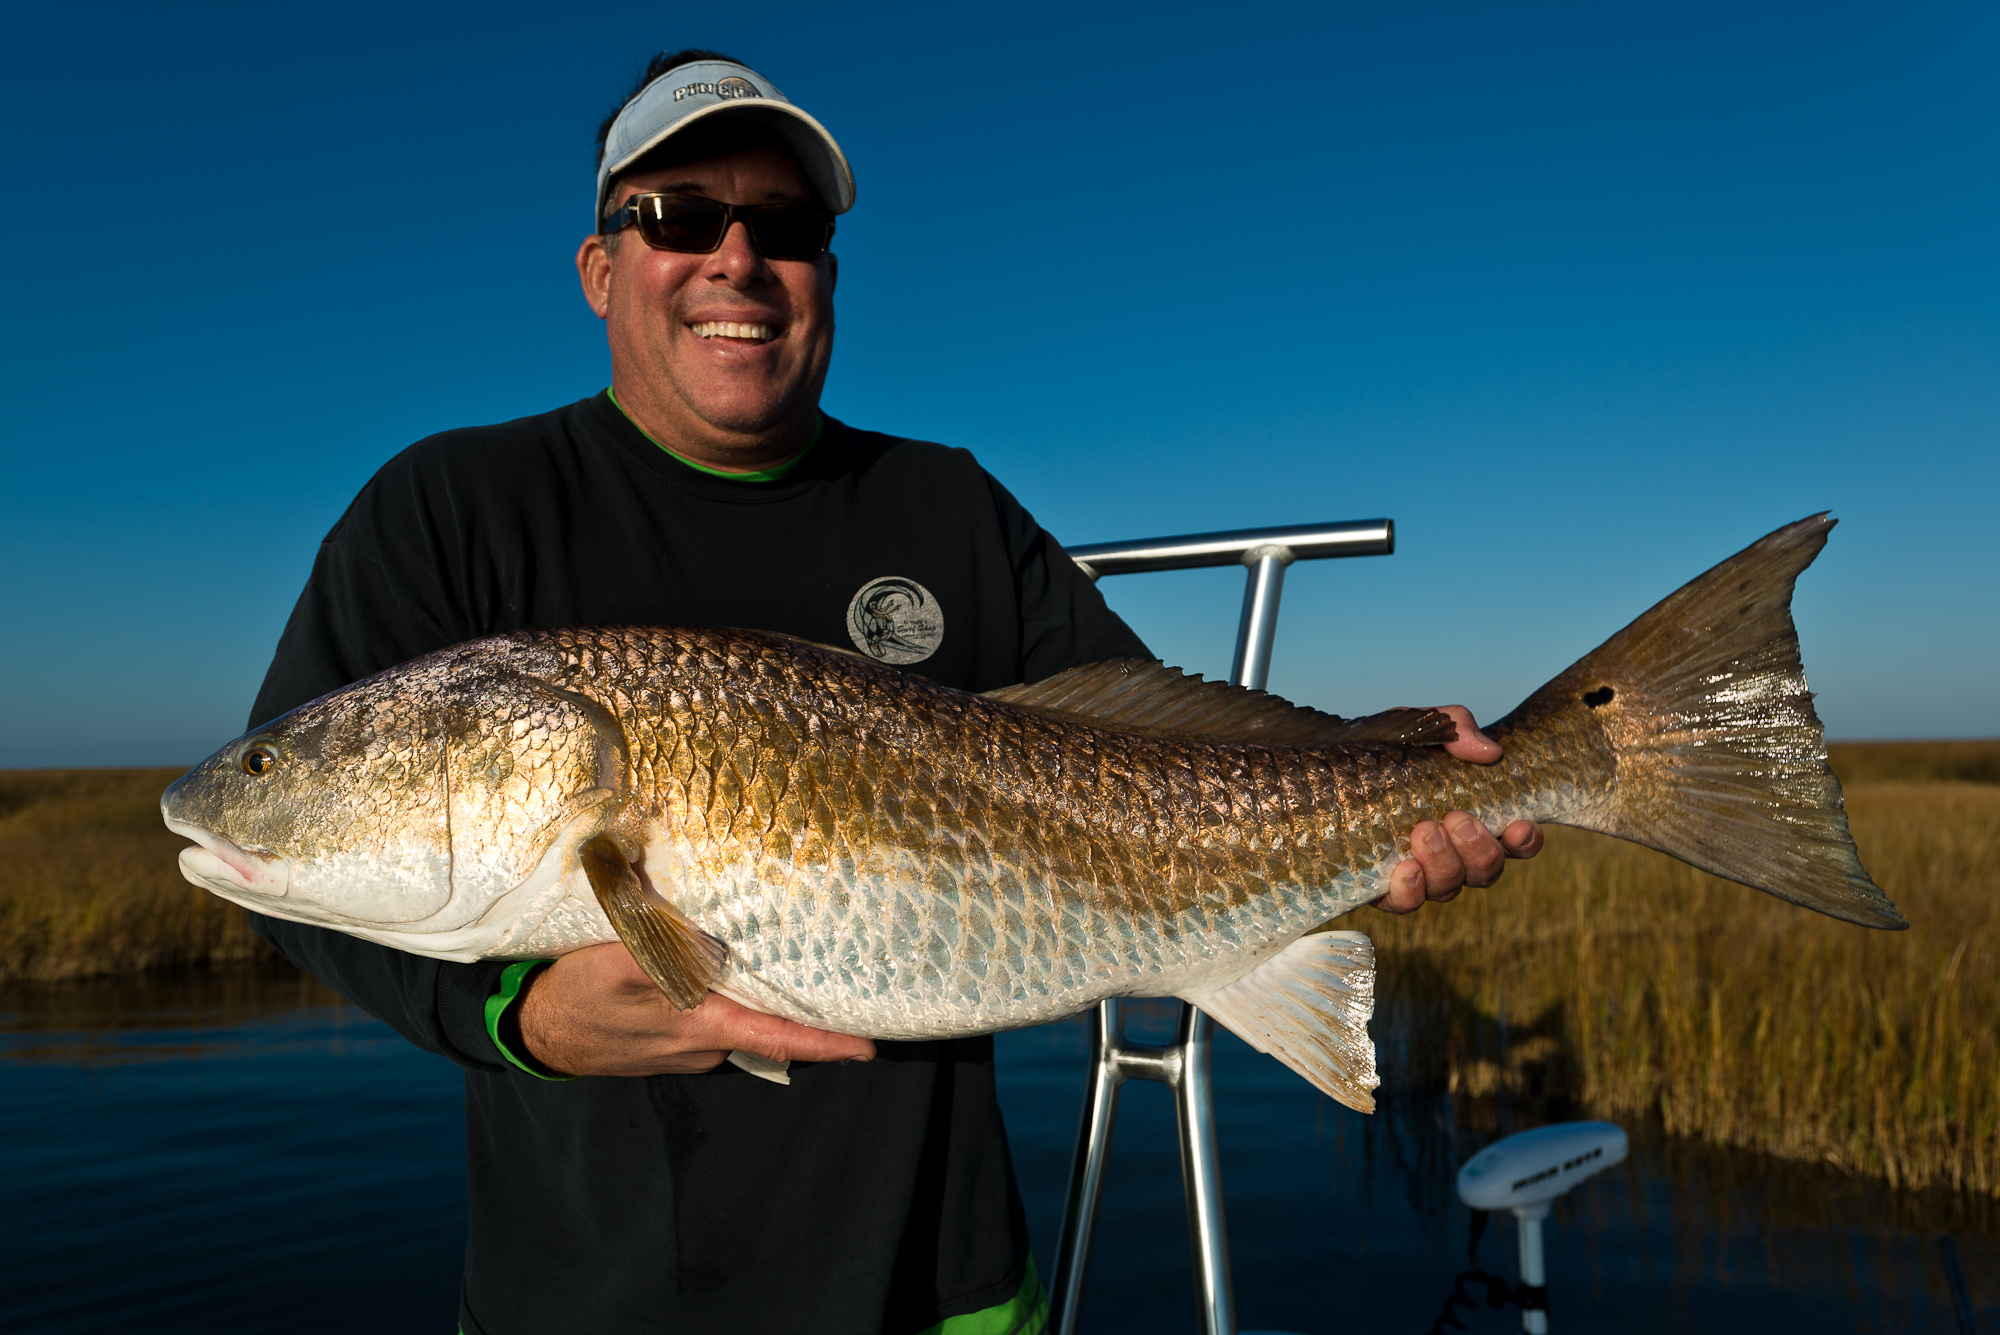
pixel 824 838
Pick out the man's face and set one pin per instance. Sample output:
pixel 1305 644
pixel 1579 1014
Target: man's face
pixel 674 363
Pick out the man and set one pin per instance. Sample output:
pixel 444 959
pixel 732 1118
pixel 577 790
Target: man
pixel 621 1177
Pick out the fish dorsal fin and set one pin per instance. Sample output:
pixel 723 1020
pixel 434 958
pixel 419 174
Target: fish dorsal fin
pixel 1309 1006
pixel 897 668
pixel 810 644
pixel 671 947
pixel 1142 695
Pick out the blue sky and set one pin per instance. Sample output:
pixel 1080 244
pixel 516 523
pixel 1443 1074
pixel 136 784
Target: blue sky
pixel 1586 297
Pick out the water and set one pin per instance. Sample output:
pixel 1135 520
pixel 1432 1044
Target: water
pixel 1340 1222
pixel 235 1154
pixel 243 1152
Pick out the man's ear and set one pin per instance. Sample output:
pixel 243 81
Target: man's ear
pixel 593 268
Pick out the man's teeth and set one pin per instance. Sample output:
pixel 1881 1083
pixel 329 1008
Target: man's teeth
pixel 763 333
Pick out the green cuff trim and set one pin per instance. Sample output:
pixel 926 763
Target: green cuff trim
pixel 1026 1313
pixel 512 979
pixel 761 475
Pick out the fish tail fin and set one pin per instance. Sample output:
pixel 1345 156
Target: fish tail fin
pixel 1717 755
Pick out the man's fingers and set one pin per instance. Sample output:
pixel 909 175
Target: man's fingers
pixel 1406 889
pixel 1522 839
pixel 1470 744
pixel 1437 853
pixel 1478 851
pixel 737 1028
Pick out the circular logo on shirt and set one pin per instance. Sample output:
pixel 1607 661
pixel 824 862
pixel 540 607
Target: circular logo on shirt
pixel 895 620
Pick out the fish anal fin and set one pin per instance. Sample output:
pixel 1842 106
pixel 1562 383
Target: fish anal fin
pixel 1141 695
pixel 764 1068
pixel 671 947
pixel 1309 1006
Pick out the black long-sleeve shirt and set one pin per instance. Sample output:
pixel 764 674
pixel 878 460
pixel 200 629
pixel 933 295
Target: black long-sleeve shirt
pixel 874 1197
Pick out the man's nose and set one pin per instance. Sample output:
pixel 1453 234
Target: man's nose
pixel 736 260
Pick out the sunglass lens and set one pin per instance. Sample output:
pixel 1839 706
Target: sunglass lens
pixel 682 222
pixel 788 233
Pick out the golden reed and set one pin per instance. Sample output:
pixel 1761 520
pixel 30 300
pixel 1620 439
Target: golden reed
pixel 90 881
pixel 1612 980
pixel 1600 978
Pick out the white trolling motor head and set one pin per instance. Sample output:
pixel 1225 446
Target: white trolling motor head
pixel 1524 1174
pixel 1531 1169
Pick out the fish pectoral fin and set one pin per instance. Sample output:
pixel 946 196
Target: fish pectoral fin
pixel 670 946
pixel 1308 1006
pixel 777 1072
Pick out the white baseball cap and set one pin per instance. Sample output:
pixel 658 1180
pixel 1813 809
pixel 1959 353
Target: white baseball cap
pixel 705 89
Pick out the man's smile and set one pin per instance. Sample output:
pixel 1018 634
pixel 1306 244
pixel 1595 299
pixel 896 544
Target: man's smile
pixel 755 333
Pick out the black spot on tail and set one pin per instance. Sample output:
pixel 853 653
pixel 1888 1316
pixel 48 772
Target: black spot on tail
pixel 1601 696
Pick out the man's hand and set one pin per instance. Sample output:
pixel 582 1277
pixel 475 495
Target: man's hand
pixel 1448 855
pixel 595 1012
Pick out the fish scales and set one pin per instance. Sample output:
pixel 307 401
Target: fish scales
pixel 1226 858
pixel 827 839
pixel 1200 882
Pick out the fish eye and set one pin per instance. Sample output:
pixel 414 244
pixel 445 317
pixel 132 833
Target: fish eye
pixel 259 760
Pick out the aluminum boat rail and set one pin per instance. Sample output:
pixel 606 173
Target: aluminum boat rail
pixel 1184 1064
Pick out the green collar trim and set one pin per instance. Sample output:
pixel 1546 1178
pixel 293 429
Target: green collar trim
pixel 771 474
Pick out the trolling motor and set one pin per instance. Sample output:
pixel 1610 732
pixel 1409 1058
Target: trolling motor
pixel 1524 1174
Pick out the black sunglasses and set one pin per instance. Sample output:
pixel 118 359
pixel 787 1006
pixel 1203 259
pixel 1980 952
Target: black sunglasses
pixel 696 225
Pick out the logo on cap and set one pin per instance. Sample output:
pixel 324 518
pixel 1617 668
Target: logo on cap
pixel 733 86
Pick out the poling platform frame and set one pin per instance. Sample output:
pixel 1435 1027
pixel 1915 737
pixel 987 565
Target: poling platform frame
pixel 1184 1064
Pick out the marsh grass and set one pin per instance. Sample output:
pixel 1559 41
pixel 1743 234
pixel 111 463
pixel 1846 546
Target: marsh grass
pixel 90 882
pixel 1916 762
pixel 1607 979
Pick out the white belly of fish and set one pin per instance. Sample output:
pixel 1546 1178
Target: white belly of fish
pixel 898 954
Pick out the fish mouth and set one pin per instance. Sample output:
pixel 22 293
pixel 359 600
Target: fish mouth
pixel 219 865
